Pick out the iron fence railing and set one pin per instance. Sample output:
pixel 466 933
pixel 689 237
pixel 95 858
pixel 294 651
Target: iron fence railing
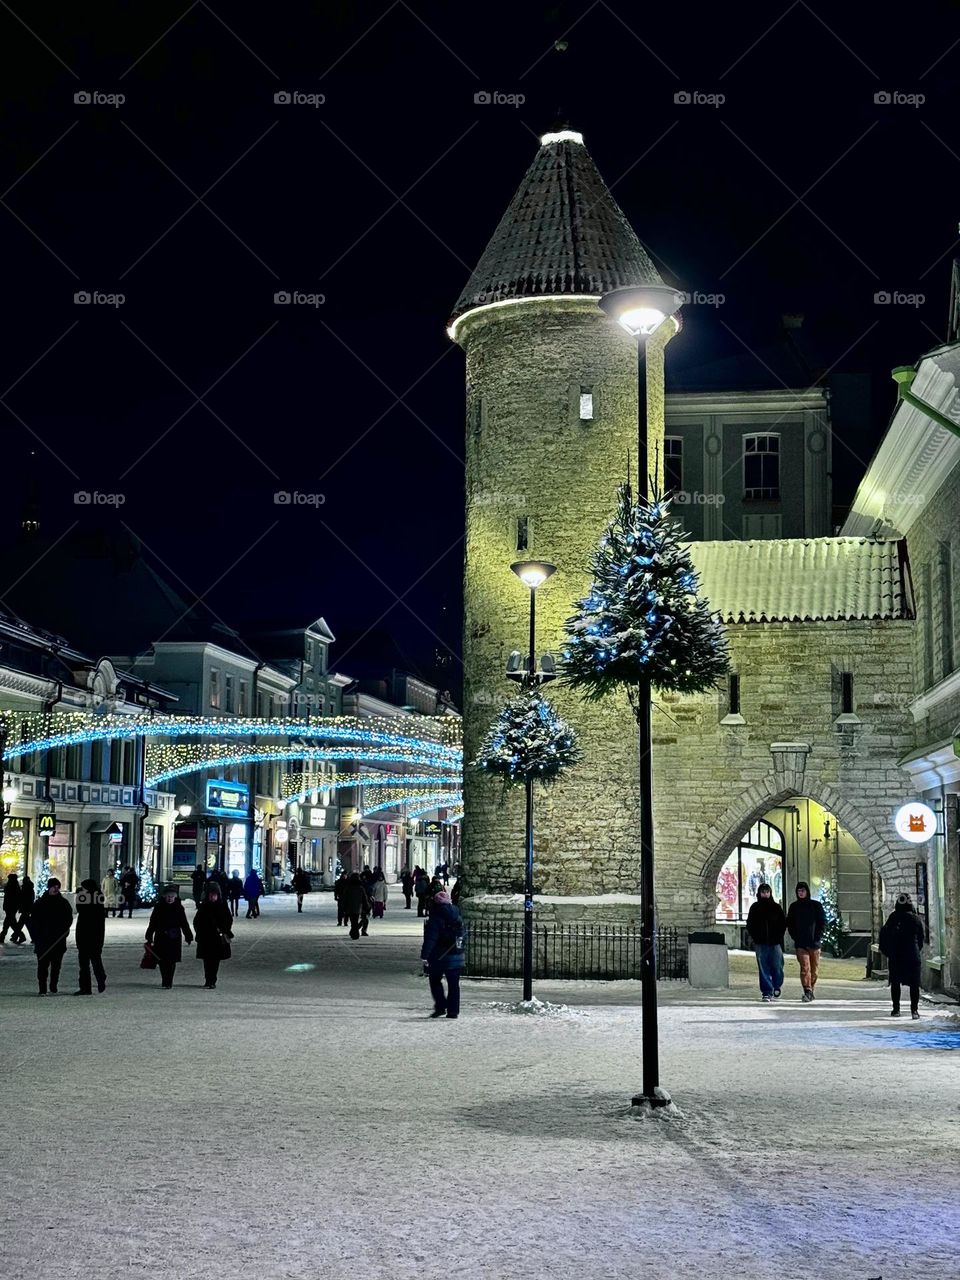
pixel 494 949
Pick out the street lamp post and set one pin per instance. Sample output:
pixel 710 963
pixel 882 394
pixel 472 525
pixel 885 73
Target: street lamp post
pixel 533 574
pixel 640 311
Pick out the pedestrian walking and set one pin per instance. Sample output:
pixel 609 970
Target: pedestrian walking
pixel 301 885
pixel 766 925
pixel 129 884
pixel 806 922
pixel 406 884
pixel 421 887
pixel 357 904
pixel 442 954
pixel 11 908
pixel 27 899
pixel 338 896
pixel 198 879
pixel 88 935
pixel 213 930
pixel 901 941
pixel 456 891
pixel 50 923
pixel 379 894
pixel 111 892
pixel 235 893
pixel 168 923
pixel 223 880
pixel 253 891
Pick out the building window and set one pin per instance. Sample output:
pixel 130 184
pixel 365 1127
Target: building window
pixel 673 464
pixel 96 760
pixel 846 693
pixel 586 404
pixel 733 693
pixel 242 699
pixel 228 693
pixel 927 606
pixel 116 762
pixel 523 533
pixel 60 852
pixel 761 467
pixel 947 663
pixel 757 859
pixel 215 688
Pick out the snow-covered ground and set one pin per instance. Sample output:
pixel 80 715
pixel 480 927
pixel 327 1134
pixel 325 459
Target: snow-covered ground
pixel 311 1122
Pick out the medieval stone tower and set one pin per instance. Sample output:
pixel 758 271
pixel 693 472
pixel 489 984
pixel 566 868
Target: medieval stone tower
pixel 551 431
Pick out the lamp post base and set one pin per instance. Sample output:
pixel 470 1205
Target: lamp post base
pixel 652 1101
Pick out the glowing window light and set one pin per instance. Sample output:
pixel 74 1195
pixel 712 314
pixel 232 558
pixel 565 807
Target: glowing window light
pixel 443 801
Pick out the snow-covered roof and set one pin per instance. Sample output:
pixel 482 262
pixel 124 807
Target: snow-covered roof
pixel 804 579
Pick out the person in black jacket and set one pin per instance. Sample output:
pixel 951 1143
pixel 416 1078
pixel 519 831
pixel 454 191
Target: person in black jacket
pixel 27 899
pixel 443 955
pixel 356 902
pixel 806 922
pixel 129 885
pixel 421 887
pixel 301 884
pixel 11 907
pixel 338 887
pixel 168 921
pixel 406 884
pixel 198 879
pixel 901 941
pixel 50 924
pixel 766 925
pixel 89 934
pixel 234 893
pixel 213 929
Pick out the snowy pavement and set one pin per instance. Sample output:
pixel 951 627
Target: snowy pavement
pixel 307 1120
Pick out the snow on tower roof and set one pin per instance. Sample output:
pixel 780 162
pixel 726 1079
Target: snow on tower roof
pixel 805 579
pixel 562 235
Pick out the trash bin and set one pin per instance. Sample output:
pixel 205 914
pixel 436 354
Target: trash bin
pixel 708 960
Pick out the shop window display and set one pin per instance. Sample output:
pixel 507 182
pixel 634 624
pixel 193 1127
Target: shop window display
pixel 758 859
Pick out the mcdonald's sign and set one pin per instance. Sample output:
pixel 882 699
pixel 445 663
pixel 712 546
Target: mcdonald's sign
pixel 46 824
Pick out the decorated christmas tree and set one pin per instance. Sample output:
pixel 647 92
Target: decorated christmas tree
pixel 43 877
pixel 643 618
pixel 528 740
pixel 833 934
pixel 148 886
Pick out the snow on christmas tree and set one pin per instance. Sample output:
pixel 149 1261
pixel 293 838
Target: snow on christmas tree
pixel 643 618
pixel 528 740
pixel 833 934
pixel 43 877
pixel 148 886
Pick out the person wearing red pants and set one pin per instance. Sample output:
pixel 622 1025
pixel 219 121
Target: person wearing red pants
pixel 806 922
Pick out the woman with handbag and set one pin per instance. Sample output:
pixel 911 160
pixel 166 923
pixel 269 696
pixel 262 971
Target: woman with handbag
pixel 213 926
pixel 168 921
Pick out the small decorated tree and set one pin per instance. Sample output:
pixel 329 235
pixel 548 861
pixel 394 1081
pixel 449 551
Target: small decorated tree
pixel 528 741
pixel 643 618
pixel 43 877
pixel 833 934
pixel 148 886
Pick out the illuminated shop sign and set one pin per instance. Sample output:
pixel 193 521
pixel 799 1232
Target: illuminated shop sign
pixel 231 799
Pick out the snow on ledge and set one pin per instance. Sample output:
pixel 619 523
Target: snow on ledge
pixel 558 899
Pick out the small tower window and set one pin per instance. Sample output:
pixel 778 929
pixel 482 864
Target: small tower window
pixel 586 404
pixel 846 693
pixel 523 533
pixel 734 694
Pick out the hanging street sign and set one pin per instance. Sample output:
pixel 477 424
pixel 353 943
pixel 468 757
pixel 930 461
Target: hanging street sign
pixel 916 823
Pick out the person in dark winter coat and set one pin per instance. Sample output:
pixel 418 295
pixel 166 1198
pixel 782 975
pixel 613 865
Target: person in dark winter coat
pixel 235 893
pixel 378 893
pixel 253 891
pixel 11 908
pixel 198 879
pixel 50 924
pixel 168 922
pixel 213 929
pixel 338 887
pixel 301 885
pixel 456 891
pixel 356 902
pixel 442 953
pixel 766 925
pixel 421 887
pixel 88 935
pixel 806 922
pixel 901 941
pixel 129 884
pixel 406 884
pixel 27 899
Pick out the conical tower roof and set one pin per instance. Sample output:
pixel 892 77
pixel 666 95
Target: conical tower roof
pixel 563 234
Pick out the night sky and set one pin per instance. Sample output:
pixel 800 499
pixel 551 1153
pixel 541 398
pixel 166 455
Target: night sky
pixel 200 197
